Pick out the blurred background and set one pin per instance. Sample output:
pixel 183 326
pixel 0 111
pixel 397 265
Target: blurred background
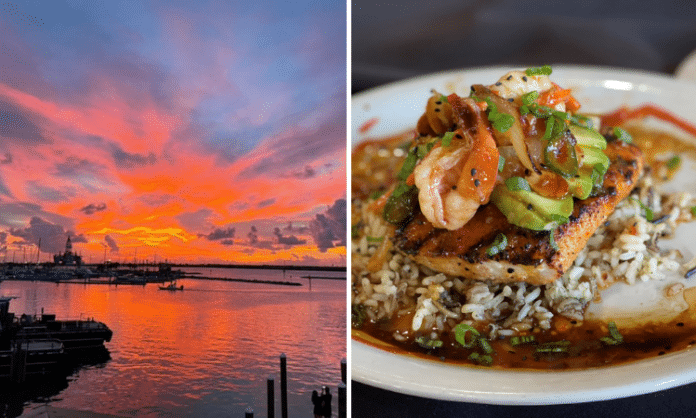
pixel 397 40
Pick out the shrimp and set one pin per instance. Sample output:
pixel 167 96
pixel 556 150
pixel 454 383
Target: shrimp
pixel 454 180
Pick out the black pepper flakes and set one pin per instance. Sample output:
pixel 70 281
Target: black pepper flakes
pixel 437 109
pixel 511 99
pixel 439 102
pixel 454 187
pixel 509 77
pixel 511 270
pixel 458 136
pixel 524 78
pixel 477 182
pixel 530 207
pixel 498 83
pixel 473 172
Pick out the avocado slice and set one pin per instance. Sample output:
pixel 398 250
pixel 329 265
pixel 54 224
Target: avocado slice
pixel 531 210
pixel 581 185
pixel 588 137
pixel 593 156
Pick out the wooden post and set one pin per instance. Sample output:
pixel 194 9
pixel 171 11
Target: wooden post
pixel 342 401
pixel 249 413
pixel 343 370
pixel 271 396
pixel 283 386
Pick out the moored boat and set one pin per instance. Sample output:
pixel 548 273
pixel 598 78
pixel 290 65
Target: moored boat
pixel 172 286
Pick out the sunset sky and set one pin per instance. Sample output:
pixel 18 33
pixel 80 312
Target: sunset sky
pixel 206 131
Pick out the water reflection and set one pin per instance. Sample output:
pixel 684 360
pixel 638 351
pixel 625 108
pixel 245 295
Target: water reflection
pixel 205 351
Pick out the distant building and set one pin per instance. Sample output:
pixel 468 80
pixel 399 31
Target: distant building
pixel 68 258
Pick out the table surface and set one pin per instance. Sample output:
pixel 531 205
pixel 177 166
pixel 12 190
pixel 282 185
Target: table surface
pixel 396 40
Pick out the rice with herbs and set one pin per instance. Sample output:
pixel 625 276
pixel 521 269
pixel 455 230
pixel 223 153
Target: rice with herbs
pixel 387 284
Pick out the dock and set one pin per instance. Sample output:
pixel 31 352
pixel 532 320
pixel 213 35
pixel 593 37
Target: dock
pixel 46 411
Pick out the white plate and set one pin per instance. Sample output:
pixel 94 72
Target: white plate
pixel 396 108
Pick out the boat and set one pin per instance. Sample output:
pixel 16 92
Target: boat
pixel 172 286
pixel 31 345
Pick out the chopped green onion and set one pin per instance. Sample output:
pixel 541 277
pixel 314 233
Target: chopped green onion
pixel 428 343
pixel 376 194
pixel 374 239
pixel 520 340
pixel 485 345
pixel 693 211
pixel 461 332
pixel 422 150
pixel 552 240
pixel 648 211
pixel 524 109
pixel 498 245
pixel 357 315
pixel 543 70
pixel 615 337
pixel 517 183
pixel 444 98
pixel 485 360
pixel 529 98
pixel 581 120
pixel 548 134
pixel 674 162
pixel 553 347
pixel 409 165
pixel 501 121
pixel 501 163
pixel 561 115
pixel 447 139
pixel 400 189
pixel 622 135
pixel 355 231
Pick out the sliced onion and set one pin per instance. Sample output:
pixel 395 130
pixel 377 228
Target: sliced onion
pixel 514 135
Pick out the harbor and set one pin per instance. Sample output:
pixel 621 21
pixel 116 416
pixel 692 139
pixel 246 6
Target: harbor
pixel 203 351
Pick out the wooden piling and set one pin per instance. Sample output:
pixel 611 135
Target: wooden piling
pixel 343 370
pixel 283 386
pixel 342 401
pixel 270 383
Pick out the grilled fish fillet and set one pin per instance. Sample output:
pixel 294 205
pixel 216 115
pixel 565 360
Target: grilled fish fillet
pixel 528 256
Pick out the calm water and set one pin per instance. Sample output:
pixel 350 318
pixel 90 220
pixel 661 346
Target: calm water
pixel 206 351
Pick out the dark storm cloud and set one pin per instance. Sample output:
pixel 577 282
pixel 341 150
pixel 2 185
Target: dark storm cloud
pixel 18 124
pixel 125 159
pixel 308 173
pixel 92 208
pixel 227 242
pixel 52 236
pixel 111 243
pixel 253 235
pixel 48 194
pixel 296 229
pixel 329 229
pixel 287 240
pixel 220 233
pixel 266 203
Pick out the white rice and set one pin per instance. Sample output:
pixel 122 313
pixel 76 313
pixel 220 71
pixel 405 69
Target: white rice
pixel 623 249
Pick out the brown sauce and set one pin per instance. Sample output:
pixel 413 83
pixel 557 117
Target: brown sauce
pixel 585 348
